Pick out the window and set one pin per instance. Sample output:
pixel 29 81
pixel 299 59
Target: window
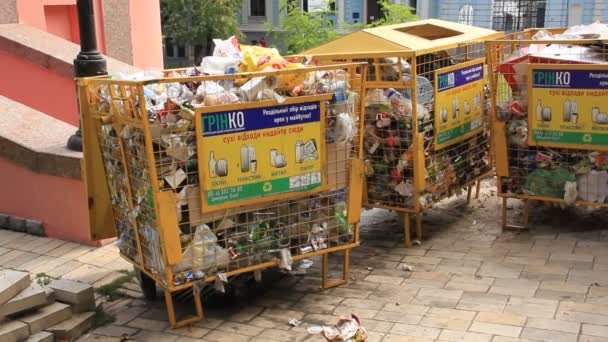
pixel 414 5
pixel 181 51
pixel 510 15
pixel 169 47
pixel 466 15
pixel 257 8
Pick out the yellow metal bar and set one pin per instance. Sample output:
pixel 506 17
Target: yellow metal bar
pixel 407 229
pixel 110 81
pixel 419 165
pixel 419 226
pixel 175 324
pixel 393 208
pixel 143 114
pixel 501 154
pixel 326 283
pixel 551 199
pixel 168 229
pixel 275 263
pixel 355 194
pixel 101 216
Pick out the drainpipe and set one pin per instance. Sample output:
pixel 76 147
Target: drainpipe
pixel 89 61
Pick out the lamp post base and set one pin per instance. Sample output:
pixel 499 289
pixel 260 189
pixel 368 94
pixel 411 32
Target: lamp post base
pixel 75 141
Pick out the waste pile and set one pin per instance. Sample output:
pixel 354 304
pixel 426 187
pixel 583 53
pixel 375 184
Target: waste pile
pixel 227 240
pixel 347 329
pixel 570 174
pixel 389 141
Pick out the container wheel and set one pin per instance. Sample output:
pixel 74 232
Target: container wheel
pixel 147 284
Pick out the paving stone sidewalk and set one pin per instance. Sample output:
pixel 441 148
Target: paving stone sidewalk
pixel 470 282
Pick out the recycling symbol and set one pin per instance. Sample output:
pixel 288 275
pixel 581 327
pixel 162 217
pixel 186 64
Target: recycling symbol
pixel 587 138
pixel 267 187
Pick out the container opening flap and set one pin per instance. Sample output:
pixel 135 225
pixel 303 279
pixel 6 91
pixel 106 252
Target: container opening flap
pixel 429 31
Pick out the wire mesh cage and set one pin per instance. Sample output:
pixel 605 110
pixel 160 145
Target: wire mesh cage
pixel 165 184
pixel 549 116
pixel 426 123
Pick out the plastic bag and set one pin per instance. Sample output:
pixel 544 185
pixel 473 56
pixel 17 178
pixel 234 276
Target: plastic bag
pixel 549 183
pixel 227 48
pixel 345 128
pixel 203 252
pixel 285 261
pixel 214 65
pixel 593 186
pixel 595 30
pixel 209 88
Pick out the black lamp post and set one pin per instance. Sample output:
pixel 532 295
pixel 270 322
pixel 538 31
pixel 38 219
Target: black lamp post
pixel 89 61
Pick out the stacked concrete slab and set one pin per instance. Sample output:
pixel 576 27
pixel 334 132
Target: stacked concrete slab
pixel 61 311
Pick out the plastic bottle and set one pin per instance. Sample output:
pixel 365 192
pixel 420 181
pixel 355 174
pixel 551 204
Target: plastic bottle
pixel 244 158
pixel 212 166
pixel 539 111
pixel 299 154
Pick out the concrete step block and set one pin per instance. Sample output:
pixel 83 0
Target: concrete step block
pixel 43 336
pixel 50 295
pixel 79 295
pixel 46 317
pixel 11 283
pixel 74 327
pixel 13 331
pixel 32 297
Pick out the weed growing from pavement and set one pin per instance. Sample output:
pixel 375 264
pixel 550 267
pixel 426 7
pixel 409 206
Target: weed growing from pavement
pixel 111 291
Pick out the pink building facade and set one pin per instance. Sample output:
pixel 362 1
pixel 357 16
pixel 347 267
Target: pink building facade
pixel 38 42
pixel 128 30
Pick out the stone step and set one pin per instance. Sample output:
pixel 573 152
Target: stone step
pixel 43 336
pixel 46 317
pixel 79 295
pixel 11 283
pixel 33 296
pixel 74 327
pixel 50 295
pixel 13 331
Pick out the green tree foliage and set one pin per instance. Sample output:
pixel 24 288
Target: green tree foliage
pixel 394 14
pixel 299 30
pixel 197 22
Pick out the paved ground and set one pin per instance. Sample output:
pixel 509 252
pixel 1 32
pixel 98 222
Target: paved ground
pixel 470 282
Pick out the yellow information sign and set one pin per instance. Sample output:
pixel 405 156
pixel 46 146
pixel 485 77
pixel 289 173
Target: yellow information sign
pixel 459 102
pixel 567 106
pixel 261 151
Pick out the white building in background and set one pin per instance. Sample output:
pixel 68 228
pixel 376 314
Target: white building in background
pixel 501 15
pixel 255 13
pixel 515 15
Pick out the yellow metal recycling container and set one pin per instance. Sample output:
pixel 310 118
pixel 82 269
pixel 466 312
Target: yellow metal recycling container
pixel 214 176
pixel 549 118
pixel 426 128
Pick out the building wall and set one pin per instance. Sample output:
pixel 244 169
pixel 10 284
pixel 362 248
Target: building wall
pixel 62 21
pixel 33 13
pixel 128 30
pixel 38 88
pixel 353 11
pixel 558 13
pixel 146 35
pixel 63 208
